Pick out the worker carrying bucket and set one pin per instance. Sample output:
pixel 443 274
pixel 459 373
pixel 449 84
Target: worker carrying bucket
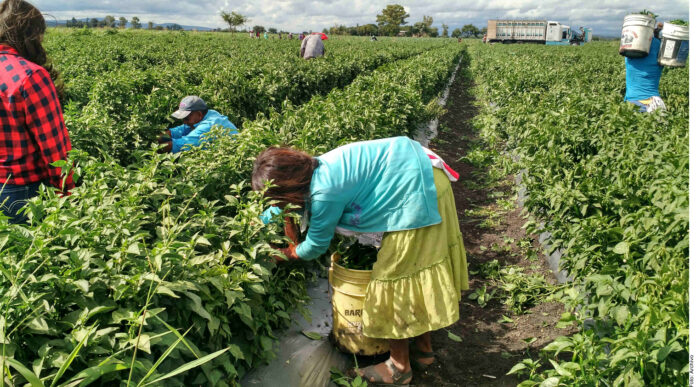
pixel 640 44
pixel 393 186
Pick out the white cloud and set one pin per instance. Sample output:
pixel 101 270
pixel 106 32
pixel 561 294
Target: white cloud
pixel 605 17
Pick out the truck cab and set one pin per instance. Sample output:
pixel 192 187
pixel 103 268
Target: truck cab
pixel 558 34
pixel 553 32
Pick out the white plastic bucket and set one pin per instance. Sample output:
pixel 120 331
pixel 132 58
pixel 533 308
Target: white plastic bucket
pixel 636 35
pixel 675 46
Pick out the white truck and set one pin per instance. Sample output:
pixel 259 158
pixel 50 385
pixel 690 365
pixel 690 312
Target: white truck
pixel 536 31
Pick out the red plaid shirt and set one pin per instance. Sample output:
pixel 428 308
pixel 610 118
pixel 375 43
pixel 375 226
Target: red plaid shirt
pixel 33 133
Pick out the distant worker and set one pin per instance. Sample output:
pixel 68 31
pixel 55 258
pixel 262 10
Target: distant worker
pixel 265 35
pixel 33 131
pixel 198 120
pixel 312 47
pixel 643 78
pixel 290 35
pixel 251 33
pixel 373 38
pixel 280 35
pixel 258 35
pixel 301 37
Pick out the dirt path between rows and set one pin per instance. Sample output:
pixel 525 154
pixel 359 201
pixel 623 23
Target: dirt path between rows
pixel 489 347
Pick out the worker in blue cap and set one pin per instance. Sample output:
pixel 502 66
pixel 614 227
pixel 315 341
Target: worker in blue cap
pixel 198 120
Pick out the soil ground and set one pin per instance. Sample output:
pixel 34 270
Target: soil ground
pixel 489 347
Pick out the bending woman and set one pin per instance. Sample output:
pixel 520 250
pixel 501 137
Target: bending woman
pixel 393 186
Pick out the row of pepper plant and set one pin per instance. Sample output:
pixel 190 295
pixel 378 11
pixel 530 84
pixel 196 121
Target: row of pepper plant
pixel 158 272
pixel 119 94
pixel 611 186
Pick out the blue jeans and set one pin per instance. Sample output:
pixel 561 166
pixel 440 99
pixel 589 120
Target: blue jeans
pixel 14 197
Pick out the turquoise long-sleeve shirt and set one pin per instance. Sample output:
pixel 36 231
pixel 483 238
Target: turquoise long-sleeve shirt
pixel 184 137
pixel 371 186
pixel 643 75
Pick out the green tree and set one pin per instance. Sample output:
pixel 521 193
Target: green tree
pixel 445 30
pixel 122 21
pixel 339 30
pixel 109 21
pixel 259 29
pixel 469 31
pixel 391 18
pixel 272 30
pixel 150 25
pixel 93 22
pixel 367 29
pixel 456 33
pixel 233 19
pixel 423 27
pixel 135 23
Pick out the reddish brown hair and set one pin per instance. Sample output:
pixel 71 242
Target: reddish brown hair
pixel 289 170
pixel 21 27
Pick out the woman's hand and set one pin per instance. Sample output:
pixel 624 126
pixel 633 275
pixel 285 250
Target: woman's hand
pixel 289 252
pixel 292 232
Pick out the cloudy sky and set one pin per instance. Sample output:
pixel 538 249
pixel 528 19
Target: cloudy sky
pixel 605 17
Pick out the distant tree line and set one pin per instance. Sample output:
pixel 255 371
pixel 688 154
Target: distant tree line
pixel 110 21
pixel 392 22
pixel 422 28
pixel 469 31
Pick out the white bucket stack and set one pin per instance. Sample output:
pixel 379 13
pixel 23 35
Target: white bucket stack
pixel 636 35
pixel 675 45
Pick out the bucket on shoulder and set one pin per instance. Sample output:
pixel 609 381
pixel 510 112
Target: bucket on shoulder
pixel 674 48
pixel 636 35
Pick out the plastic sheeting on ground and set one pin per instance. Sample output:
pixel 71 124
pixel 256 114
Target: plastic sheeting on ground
pixel 302 361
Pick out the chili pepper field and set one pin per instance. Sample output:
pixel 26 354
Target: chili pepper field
pixel 157 267
pixel 611 187
pixel 156 270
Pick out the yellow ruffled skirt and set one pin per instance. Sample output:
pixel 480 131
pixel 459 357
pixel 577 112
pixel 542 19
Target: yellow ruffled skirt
pixel 419 275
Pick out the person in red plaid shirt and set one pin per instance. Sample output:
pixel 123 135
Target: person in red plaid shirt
pixel 33 133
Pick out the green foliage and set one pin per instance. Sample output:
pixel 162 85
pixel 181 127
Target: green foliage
pixel 521 291
pixel 513 287
pixel 392 17
pixel 611 186
pixel 353 254
pixel 340 379
pixel 679 22
pixel 121 90
pixel 648 13
pixel 233 19
pixel 157 267
pixel 135 252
